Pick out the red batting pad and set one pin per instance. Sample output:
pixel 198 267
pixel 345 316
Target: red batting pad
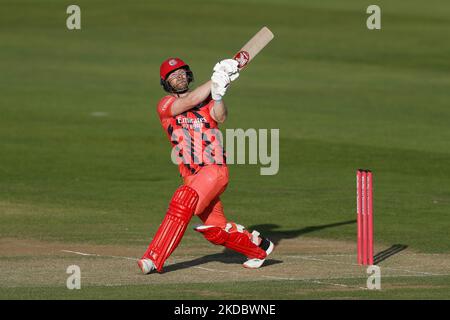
pixel 234 240
pixel 171 230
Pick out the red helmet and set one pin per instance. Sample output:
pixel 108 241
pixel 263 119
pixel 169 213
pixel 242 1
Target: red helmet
pixel 170 65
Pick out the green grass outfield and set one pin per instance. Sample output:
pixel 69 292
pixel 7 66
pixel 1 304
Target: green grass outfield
pixel 241 291
pixel 342 96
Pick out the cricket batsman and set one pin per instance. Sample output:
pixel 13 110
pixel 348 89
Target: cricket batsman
pixel 187 118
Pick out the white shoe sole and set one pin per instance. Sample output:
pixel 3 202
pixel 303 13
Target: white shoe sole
pixel 257 263
pixel 146 266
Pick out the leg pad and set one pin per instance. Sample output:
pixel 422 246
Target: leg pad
pixel 236 240
pixel 173 227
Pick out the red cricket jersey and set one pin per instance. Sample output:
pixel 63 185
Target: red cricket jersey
pixel 194 135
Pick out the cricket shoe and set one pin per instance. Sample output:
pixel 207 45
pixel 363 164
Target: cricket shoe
pixel 146 265
pixel 264 244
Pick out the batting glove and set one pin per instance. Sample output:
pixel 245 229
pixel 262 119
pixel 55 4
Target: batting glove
pixel 230 67
pixel 219 84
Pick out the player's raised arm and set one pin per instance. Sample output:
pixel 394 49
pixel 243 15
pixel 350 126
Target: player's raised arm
pixel 191 99
pixel 176 77
pixel 224 72
pixel 219 111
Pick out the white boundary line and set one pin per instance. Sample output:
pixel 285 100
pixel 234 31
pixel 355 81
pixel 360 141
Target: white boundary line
pixel 310 258
pixel 129 258
pixel 98 255
pixel 224 271
pixel 312 280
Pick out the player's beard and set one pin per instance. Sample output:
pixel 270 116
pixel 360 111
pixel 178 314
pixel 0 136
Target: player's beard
pixel 181 85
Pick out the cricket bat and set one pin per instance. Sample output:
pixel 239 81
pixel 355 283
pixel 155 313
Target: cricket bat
pixel 249 51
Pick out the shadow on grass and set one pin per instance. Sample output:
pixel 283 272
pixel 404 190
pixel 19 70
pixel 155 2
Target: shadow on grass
pixel 267 230
pixel 226 257
pixel 270 230
pixel 383 255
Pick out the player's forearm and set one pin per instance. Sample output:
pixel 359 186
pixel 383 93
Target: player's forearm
pixel 192 99
pixel 219 111
pixel 200 94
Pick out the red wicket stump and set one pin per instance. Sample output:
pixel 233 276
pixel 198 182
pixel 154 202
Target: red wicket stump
pixel 364 210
